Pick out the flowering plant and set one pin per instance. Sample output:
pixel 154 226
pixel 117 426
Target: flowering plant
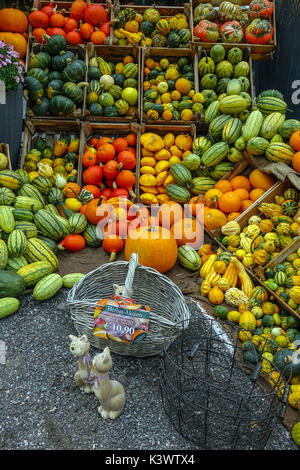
pixel 11 69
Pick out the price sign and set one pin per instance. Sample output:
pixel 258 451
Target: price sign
pixel 121 320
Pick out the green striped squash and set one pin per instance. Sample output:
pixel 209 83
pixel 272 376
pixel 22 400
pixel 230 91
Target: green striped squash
pixel 75 71
pixel 277 138
pixel 206 65
pixel 184 34
pixel 188 258
pixel 234 155
pixel 271 125
pixel 235 55
pixel 25 202
pixel 31 191
pixel 224 69
pixel 104 66
pixel 116 92
pixel 90 236
pixel 192 161
pixel 217 124
pixel 201 144
pixel 221 170
pixel 280 152
pixel 22 214
pixel 48 224
pixel 38 250
pixel 257 145
pixel 270 104
pixel 222 86
pixel 130 70
pixel 121 106
pixel 55 196
pixel 252 125
pixel 7 197
pixel 201 184
pixel 288 128
pixel 240 143
pixel 7 220
pixel 42 183
pixel 212 112
pixel 8 305
pixel 215 154
pixel 10 179
pixel 69 280
pixel 95 87
pixel 16 243
pixel 280 278
pixel 51 244
pixel 208 81
pixel 52 209
pixel 233 104
pixel 185 104
pixel 232 130
pixel 64 224
pixel 33 272
pixel 3 254
pixel 14 263
pixel 177 193
pixel 23 175
pixel 77 223
pixel 29 228
pixel 47 287
pixel 181 174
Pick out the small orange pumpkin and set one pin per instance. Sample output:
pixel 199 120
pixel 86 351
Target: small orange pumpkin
pixel 71 190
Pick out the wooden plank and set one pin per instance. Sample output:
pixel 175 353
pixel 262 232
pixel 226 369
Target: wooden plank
pixel 113 54
pixel 158 53
pixel 4 148
pixel 258 51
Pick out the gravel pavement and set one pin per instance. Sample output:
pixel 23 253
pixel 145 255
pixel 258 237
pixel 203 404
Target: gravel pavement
pixel 42 409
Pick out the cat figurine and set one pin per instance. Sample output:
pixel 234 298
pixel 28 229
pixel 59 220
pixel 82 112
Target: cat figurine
pixel 84 377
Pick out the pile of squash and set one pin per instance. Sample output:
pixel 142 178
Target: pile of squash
pixel 55 80
pixel 151 29
pixel 169 90
pixel 84 22
pixel 232 24
pixel 13 29
pixel 113 88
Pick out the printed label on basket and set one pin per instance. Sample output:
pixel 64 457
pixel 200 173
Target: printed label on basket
pixel 121 320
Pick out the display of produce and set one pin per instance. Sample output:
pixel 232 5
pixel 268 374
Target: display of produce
pixel 150 28
pixel 13 29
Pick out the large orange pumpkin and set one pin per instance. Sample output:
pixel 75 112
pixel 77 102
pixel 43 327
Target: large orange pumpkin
pixel 214 219
pixel 260 179
pixel 13 20
pixel 169 213
pixel 188 231
pixel 155 246
pixel 17 41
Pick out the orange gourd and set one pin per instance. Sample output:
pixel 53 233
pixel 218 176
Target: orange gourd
pixel 16 40
pixel 13 20
pixel 73 242
pixel 86 30
pixel 211 197
pixel 296 162
pixel 216 296
pixel 71 190
pixel 246 204
pixel 170 213
pixel 195 204
pixel 229 202
pixel 113 244
pixel 295 141
pixel 126 179
pixel 188 231
pixel 233 216
pixel 242 193
pixel 260 179
pixel 224 186
pixel 97 211
pixel 241 181
pixel 214 219
pixel 97 37
pixel 256 194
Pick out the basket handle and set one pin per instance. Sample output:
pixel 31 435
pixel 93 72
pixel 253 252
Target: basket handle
pixel 126 290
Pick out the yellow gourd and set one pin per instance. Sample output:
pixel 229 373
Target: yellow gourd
pixel 152 142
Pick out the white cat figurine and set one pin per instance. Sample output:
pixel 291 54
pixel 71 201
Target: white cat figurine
pixel 110 393
pixel 84 377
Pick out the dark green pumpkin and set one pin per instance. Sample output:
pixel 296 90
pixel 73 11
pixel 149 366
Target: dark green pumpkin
pixel 147 106
pixel 11 284
pixel 34 87
pixel 119 79
pixel 62 106
pixel 146 28
pixel 110 111
pixel 75 71
pixel 73 91
pixel 96 109
pixel 54 75
pixel 60 61
pixel 94 73
pixel 40 75
pixel 55 44
pixel 41 60
pixel 282 360
pixel 131 83
pixel 71 157
pixel 54 88
pixel 42 108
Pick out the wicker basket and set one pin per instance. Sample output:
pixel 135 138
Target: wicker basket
pixel 149 287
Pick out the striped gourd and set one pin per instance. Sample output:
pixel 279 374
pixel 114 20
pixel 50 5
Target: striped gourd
pixel 222 86
pixel 16 243
pixel 7 196
pixel 48 224
pixel 221 170
pixel 217 124
pixel 280 152
pixel 38 250
pixel 130 70
pixel 65 225
pixel 14 263
pixel 3 254
pixel 69 280
pixel 121 106
pixel 25 202
pixel 201 144
pixel 200 184
pixel 10 179
pixel 77 223
pixel 208 81
pixel 8 305
pixel 177 193
pixel 270 104
pixel 224 69
pixel 23 175
pixel 215 154
pixel 52 209
pixel 233 104
pixel 22 214
pixel 289 127
pixel 212 111
pixel 42 183
pixel 33 272
pixel 47 287
pixel 232 130
pixel 28 228
pixel 277 138
pixel 181 174
pixel 206 65
pixel 90 236
pixel 55 196
pixel 184 34
pixel 253 125
pixel 188 258
pixel 94 87
pixel 7 220
pixel 271 125
pixel 29 190
pixel 163 26
pixel 257 145
pixel 50 243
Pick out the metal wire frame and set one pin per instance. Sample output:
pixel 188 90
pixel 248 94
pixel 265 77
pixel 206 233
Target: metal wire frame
pixel 212 397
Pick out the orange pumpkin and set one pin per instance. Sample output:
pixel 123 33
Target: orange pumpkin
pixel 266 226
pixel 205 249
pixel 224 185
pixel 194 204
pixel 211 197
pixel 16 40
pixel 261 180
pixel 296 162
pixel 241 181
pixel 229 202
pixel 242 193
pixel 113 244
pixel 188 231
pixel 246 204
pixel 233 216
pixel 95 214
pixel 214 219
pixel 169 213
pixel 295 141
pixel 156 247
pixel 13 20
pixel 71 190
pixel 256 194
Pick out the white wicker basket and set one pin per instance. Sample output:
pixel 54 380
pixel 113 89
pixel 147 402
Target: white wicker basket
pixel 149 287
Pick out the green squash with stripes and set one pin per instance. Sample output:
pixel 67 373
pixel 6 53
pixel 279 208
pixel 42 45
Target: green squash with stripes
pixel 221 170
pixel 62 106
pixel 52 209
pixel 3 254
pixel 14 263
pixel 74 72
pixel 215 154
pixel 222 85
pixel 60 61
pixel 7 197
pixel 77 223
pixel 55 196
pixel 233 104
pixel 33 272
pixel 208 81
pixel 90 236
pixel 50 243
pixel 38 250
pixel 42 184
pixel 30 191
pixel 23 175
pixel 69 280
pixel 41 60
pixel 40 75
pixel 55 44
pixel 95 87
pixel 130 70
pixel 201 144
pixel 177 193
pixel 7 220
pixel 224 69
pixel 216 126
pixel 288 128
pixel 73 91
pixel 181 174
pixel 212 112
pixel 188 258
pixel 11 285
pixel 185 36
pixel 232 130
pixel 48 224
pixel 29 228
pixel 122 107
pixel 34 88
pixel 270 104
pixel 206 65
pixel 10 179
pixel 235 55
pixel 257 146
pixel 16 243
pixel 47 287
pixel 8 305
pixel 115 91
pixel 54 88
pixel 95 109
pixel 271 125
pixel 201 184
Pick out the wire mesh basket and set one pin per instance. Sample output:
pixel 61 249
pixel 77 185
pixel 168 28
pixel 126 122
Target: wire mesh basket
pixel 212 396
pixel 144 285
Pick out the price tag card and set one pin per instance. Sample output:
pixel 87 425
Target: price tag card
pixel 121 320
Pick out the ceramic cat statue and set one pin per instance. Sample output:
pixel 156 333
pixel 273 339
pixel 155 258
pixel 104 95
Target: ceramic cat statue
pixel 110 393
pixel 84 376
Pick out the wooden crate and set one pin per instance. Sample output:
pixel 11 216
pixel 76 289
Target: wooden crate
pixel 4 148
pixel 258 51
pixel 165 12
pixel 204 49
pixel 51 130
pixel 162 130
pixel 97 129
pixel 158 53
pixel 66 6
pixel 80 52
pixel 113 54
